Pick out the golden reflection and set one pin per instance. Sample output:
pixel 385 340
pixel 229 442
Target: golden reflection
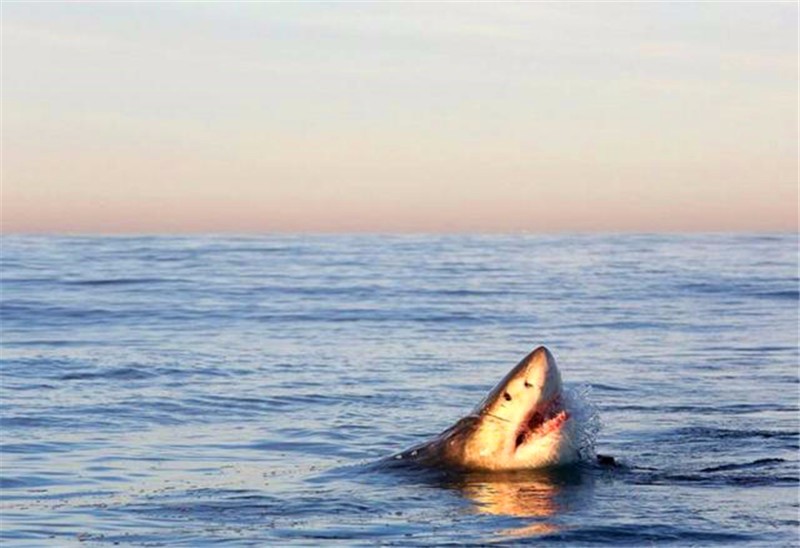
pixel 541 495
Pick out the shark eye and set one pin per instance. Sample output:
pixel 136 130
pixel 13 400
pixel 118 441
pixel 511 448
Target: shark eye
pixel 527 384
pixel 507 396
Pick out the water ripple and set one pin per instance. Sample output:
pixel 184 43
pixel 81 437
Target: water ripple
pixel 190 390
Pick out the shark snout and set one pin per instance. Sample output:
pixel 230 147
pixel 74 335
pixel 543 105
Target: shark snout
pixel 541 372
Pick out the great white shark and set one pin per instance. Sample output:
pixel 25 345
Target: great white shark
pixel 522 423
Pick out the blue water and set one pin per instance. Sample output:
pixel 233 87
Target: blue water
pixel 169 391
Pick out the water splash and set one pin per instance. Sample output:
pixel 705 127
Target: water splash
pixel 586 417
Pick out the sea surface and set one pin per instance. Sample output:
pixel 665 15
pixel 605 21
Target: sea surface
pixel 187 391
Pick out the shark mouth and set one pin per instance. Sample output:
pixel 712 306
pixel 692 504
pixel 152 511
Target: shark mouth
pixel 542 420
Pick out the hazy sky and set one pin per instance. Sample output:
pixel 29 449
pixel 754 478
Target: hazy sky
pixel 541 117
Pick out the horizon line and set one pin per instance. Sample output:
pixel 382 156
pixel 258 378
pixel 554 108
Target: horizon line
pixel 398 233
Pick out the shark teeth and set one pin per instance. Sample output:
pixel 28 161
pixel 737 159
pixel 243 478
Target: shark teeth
pixel 552 424
pixel 543 420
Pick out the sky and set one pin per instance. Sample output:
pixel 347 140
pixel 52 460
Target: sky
pixel 399 117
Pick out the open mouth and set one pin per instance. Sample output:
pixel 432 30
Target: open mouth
pixel 542 420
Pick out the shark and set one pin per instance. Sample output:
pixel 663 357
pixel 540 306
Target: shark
pixel 523 423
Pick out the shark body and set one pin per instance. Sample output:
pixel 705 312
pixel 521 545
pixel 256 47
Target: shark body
pixel 521 424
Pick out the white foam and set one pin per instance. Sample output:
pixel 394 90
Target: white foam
pixel 586 417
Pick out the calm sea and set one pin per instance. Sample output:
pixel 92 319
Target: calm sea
pixel 182 391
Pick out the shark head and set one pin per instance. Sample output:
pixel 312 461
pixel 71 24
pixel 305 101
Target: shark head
pixel 522 423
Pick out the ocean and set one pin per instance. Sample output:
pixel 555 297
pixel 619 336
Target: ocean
pixel 197 390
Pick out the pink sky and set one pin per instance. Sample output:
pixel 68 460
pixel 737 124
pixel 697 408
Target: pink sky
pixel 156 118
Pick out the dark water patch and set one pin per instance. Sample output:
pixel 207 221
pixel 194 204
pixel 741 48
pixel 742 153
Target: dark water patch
pixel 45 343
pixel 30 483
pixel 129 414
pixel 705 433
pixel 327 399
pixel 739 480
pixel 17 387
pixel 737 409
pixel 239 404
pixel 741 466
pixel 41 447
pixel 38 313
pixel 744 408
pixel 259 249
pixel 354 292
pixel 364 291
pixel 736 289
pixel 22 317
pixel 609 388
pixel 623 325
pixel 749 350
pixel 30 280
pixel 219 510
pixel 111 375
pixel 642 533
pixel 37 365
pixel 142 372
pixel 449 292
pixel 375 315
pixel 204 502
pixel 308 447
pixel 33 421
pixel 147 411
pixel 770 237
pixel 463 268
pixel 155 458
pixel 227 506
pixel 44 493
pixel 148 256
pixel 103 282
pixel 789 295
pixel 142 412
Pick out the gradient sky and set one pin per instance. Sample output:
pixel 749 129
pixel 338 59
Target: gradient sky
pixel 540 117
